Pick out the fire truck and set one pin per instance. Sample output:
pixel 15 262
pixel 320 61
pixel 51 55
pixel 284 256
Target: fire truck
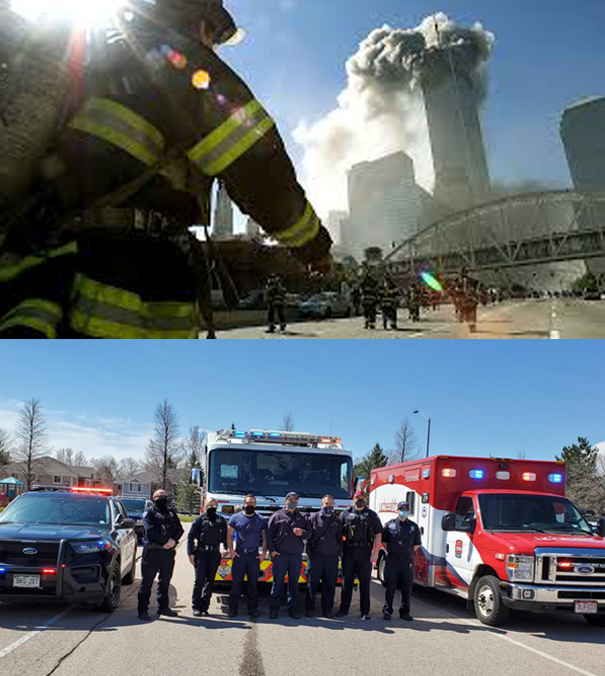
pixel 500 533
pixel 269 464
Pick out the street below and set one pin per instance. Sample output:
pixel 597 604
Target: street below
pixel 532 319
pixel 39 640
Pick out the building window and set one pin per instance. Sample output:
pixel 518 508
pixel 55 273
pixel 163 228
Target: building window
pixel 134 488
pixel 57 479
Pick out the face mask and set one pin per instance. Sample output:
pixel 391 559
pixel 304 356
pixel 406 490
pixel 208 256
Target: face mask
pixel 211 512
pixel 249 509
pixel 360 504
pixel 403 513
pixel 328 511
pixel 292 505
pixel 161 504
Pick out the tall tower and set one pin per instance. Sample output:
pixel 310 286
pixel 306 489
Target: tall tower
pixel 223 214
pixel 583 134
pixel 456 138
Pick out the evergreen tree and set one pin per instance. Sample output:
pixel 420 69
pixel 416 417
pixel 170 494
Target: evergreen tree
pixel 582 473
pixel 373 460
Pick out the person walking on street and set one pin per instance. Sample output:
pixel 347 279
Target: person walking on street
pixel 402 538
pixel 249 529
pixel 362 535
pixel 207 535
pixel 276 297
pixel 163 531
pixel 369 288
pixel 324 548
pixel 285 534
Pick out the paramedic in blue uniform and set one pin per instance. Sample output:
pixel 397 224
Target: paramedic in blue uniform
pixel 249 529
pixel 324 547
pixel 362 535
pixel 207 535
pixel 163 531
pixel 402 538
pixel 285 534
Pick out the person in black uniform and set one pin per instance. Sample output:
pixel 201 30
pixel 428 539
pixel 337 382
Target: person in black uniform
pixel 324 548
pixel 362 535
pixel 276 297
pixel 285 534
pixel 402 538
pixel 207 534
pixel 163 531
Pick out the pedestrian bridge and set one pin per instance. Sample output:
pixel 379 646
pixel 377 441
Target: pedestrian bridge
pixel 522 230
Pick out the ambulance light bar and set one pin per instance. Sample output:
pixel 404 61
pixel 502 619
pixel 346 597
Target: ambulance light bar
pixel 448 472
pixel 528 476
pixel 555 478
pixel 285 437
pixel 476 474
pixel 503 476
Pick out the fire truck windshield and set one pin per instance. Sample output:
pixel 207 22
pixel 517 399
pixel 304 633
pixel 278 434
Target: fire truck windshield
pixel 524 512
pixel 275 473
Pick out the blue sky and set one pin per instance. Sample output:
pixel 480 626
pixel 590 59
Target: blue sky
pixel 548 54
pixel 497 398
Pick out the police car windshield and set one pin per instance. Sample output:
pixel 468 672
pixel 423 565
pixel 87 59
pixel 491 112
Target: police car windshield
pixel 277 472
pixel 133 505
pixel 537 513
pixel 52 509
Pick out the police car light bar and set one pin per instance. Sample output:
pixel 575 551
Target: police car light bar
pixel 86 489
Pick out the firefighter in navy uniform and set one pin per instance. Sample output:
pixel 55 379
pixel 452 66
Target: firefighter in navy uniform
pixel 276 297
pixel 206 538
pixel 402 539
pixel 362 534
pixel 163 531
pixel 160 119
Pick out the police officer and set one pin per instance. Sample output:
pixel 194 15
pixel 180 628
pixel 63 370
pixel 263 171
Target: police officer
pixel 362 535
pixel 324 547
pixel 402 538
pixel 208 532
pixel 276 297
pixel 249 529
pixel 285 534
pixel 163 531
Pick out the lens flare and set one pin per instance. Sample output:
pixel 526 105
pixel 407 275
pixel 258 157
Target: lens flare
pixel 431 281
pixel 201 79
pixel 84 13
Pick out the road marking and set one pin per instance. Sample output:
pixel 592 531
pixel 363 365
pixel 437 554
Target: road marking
pixel 477 623
pixel 38 630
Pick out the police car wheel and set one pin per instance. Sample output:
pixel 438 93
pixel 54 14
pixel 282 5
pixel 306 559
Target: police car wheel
pixel 381 570
pixel 489 606
pixel 114 589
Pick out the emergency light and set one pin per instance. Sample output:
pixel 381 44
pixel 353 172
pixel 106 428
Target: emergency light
pixel 2 570
pixel 528 476
pixel 48 571
pixel 87 489
pixel 448 472
pixel 555 478
pixel 476 474
pixel 503 476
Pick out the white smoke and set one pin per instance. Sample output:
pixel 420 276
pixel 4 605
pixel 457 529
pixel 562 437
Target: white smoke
pixel 382 110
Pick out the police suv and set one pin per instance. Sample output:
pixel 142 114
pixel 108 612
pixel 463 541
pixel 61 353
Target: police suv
pixel 77 546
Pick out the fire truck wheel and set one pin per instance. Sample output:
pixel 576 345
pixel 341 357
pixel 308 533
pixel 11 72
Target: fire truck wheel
pixel 489 607
pixel 595 620
pixel 381 570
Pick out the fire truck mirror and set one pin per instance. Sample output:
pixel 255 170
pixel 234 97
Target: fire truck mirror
pixel 448 523
pixel 601 527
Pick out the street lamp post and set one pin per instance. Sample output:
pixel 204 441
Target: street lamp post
pixel 428 436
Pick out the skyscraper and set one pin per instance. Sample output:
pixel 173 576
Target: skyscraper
pixel 452 109
pixel 583 134
pixel 223 215
pixel 384 204
pixel 253 229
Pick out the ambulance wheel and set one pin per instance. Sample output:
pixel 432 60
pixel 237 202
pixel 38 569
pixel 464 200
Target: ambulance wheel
pixel 595 620
pixel 489 606
pixel 381 570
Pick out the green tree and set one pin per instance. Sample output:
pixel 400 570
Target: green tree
pixel 582 473
pixel 188 497
pixel 374 459
pixel 5 446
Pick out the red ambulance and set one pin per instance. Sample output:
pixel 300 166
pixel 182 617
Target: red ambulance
pixel 500 533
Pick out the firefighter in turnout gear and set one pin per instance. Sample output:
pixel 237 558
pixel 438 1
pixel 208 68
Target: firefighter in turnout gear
pixel 369 290
pixel 207 535
pixel 160 118
pixel 388 304
pixel 276 298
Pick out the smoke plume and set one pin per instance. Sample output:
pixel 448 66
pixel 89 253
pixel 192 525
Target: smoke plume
pixel 382 111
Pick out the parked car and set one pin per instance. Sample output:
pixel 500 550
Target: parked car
pixel 327 304
pixel 135 508
pixel 255 300
pixel 76 546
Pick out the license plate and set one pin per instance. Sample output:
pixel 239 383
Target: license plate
pixel 26 581
pixel 586 607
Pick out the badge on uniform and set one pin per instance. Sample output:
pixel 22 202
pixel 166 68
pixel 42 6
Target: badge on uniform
pixel 411 529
